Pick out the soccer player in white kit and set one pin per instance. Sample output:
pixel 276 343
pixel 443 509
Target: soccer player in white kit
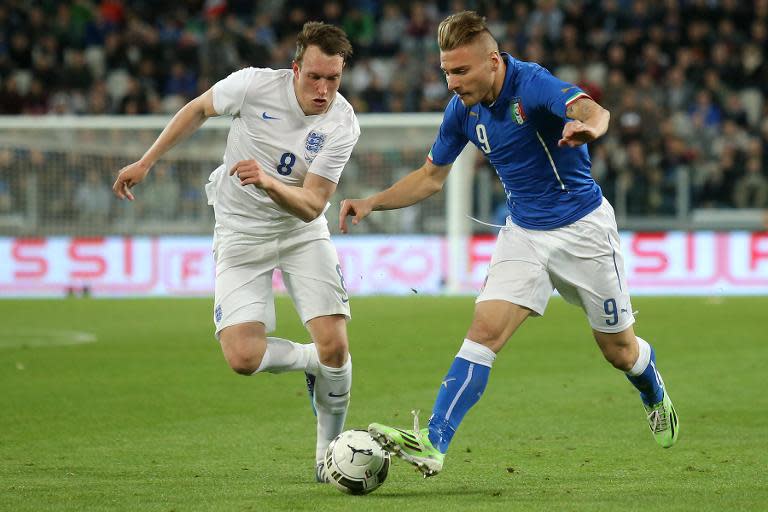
pixel 290 138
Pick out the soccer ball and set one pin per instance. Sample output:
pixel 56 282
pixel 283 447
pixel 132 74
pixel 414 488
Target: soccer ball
pixel 355 463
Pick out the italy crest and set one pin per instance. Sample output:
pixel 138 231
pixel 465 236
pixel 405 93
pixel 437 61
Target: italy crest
pixel 516 111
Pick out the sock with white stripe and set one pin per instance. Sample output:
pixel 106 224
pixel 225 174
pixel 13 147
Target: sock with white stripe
pixel 644 375
pixel 461 388
pixel 286 356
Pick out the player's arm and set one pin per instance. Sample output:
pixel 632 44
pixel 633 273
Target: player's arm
pixel 412 188
pixel 184 123
pixel 590 121
pixel 306 202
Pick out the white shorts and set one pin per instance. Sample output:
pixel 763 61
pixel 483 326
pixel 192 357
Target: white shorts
pixel 581 260
pixel 244 267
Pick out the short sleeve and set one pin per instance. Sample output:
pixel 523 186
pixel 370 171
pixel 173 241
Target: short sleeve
pixel 548 92
pixel 333 157
pixel 229 93
pixel 450 138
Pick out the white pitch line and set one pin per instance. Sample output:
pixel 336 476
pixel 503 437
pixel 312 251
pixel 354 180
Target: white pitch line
pixel 44 338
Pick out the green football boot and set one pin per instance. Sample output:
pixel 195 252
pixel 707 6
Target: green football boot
pixel 662 419
pixel 413 446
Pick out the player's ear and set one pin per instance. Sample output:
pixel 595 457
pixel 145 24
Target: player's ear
pixel 495 61
pixel 295 66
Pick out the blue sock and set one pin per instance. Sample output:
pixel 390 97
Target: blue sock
pixel 644 375
pixel 460 390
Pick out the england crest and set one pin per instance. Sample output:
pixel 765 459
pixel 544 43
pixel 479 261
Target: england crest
pixel 314 143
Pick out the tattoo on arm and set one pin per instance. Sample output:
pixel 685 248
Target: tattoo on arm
pixel 581 109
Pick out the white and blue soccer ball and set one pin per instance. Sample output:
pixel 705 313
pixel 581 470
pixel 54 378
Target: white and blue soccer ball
pixel 355 463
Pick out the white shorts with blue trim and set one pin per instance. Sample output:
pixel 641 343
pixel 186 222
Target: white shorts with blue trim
pixel 582 261
pixel 244 268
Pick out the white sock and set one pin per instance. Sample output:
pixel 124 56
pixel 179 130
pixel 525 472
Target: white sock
pixel 287 356
pixel 643 357
pixel 332 388
pixel 476 353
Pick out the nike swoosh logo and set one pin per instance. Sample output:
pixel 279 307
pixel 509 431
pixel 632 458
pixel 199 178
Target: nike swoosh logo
pixel 266 116
pixel 338 396
pixel 343 300
pixel 567 89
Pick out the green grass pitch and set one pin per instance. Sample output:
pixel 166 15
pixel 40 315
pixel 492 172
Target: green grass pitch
pixel 149 417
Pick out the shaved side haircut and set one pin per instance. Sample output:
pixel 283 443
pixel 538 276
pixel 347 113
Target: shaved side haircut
pixel 463 28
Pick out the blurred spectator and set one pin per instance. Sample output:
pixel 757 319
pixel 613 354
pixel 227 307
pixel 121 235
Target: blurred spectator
pixel 191 204
pixel 36 100
pixel 93 198
pixel 161 201
pixel 390 29
pixel 360 29
pixel 76 74
pixel 181 82
pixel 6 176
pixel 645 184
pixel 704 112
pixel 751 190
pixel 718 186
pixel 135 100
pixel 549 18
pixel 218 53
pixel 685 81
pixel 6 205
pixel 11 100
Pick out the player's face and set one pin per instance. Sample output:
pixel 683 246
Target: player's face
pixel 317 80
pixel 470 71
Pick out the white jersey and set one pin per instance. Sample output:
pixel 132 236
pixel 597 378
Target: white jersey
pixel 269 126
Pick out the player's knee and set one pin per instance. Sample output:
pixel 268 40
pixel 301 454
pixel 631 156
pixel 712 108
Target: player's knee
pixel 333 352
pixel 244 365
pixel 486 333
pixel 242 359
pixel 619 349
pixel 621 357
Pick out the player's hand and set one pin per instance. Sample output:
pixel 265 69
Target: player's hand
pixel 576 133
pixel 129 176
pixel 250 173
pixel 358 208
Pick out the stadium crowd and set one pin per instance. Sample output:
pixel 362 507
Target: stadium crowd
pixel 685 80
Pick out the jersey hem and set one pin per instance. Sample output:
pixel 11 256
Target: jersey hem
pixel 579 214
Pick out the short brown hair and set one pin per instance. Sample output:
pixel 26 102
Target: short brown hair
pixel 329 38
pixel 460 29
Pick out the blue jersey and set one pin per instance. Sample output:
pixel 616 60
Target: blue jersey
pixel 546 186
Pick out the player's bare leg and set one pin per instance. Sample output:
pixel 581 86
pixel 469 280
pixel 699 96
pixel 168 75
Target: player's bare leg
pixel 635 357
pixel 243 346
pixel 332 381
pixel 248 350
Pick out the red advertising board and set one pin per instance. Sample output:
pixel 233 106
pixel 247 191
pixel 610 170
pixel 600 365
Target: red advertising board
pixel 664 263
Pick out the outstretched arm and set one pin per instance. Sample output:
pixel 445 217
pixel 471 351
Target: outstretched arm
pixel 184 123
pixel 412 188
pixel 590 122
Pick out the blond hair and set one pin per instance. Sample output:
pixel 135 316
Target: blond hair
pixel 461 29
pixel 329 38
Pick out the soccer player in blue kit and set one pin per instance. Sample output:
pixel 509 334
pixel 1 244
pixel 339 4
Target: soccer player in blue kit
pixel 560 234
